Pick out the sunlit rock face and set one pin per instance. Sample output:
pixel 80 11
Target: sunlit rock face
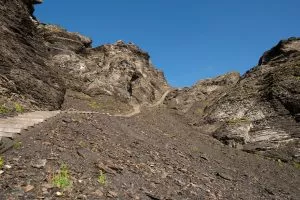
pixel 120 70
pixel 258 112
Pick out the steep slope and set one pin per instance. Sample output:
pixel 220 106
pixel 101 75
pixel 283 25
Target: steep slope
pixel 154 155
pixel 258 112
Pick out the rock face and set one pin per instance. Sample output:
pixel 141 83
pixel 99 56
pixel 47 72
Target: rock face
pixel 258 112
pixel 120 70
pixel 204 93
pixel 40 62
pixel 25 77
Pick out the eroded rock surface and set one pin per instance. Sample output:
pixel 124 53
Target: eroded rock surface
pixel 258 112
pixel 25 76
pixel 120 70
pixel 40 62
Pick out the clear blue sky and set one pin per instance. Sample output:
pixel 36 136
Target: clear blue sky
pixel 187 39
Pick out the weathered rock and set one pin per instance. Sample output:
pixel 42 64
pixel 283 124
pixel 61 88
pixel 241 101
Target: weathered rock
pixel 259 110
pixel 25 77
pixel 282 51
pixel 39 62
pixel 203 93
pixel 120 70
pixel 40 163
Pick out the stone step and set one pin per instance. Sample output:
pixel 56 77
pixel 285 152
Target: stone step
pixel 7 134
pixel 40 114
pixel 10 127
pixel 10 130
pixel 36 120
pixel 20 125
pixel 35 116
pixel 17 123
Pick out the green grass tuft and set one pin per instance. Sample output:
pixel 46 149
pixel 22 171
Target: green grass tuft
pixel 19 108
pixel 297 165
pixel 17 145
pixel 3 109
pixel 1 162
pixel 94 105
pixel 62 178
pixel 237 121
pixel 102 178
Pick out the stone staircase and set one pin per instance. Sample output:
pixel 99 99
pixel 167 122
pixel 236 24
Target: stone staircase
pixel 10 127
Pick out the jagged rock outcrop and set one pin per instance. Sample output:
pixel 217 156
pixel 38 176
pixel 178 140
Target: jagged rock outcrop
pixel 120 70
pixel 40 62
pixel 203 93
pixel 260 111
pixel 25 77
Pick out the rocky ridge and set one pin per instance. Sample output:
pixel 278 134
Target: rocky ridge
pixel 257 112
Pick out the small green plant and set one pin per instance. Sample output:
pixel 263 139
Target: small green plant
pixel 297 165
pixel 195 149
pixel 17 145
pixel 82 144
pixel 102 178
pixel 1 162
pixel 19 108
pixel 62 178
pixel 94 105
pixel 199 111
pixel 3 109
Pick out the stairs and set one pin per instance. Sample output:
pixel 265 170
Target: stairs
pixel 12 126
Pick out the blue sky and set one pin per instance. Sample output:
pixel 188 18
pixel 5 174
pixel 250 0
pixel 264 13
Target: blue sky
pixel 188 39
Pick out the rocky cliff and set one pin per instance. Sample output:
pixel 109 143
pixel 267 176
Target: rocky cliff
pixel 26 77
pixel 122 70
pixel 258 112
pixel 44 66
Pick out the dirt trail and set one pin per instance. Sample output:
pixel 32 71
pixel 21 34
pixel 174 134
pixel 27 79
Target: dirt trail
pixel 161 100
pixel 137 107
